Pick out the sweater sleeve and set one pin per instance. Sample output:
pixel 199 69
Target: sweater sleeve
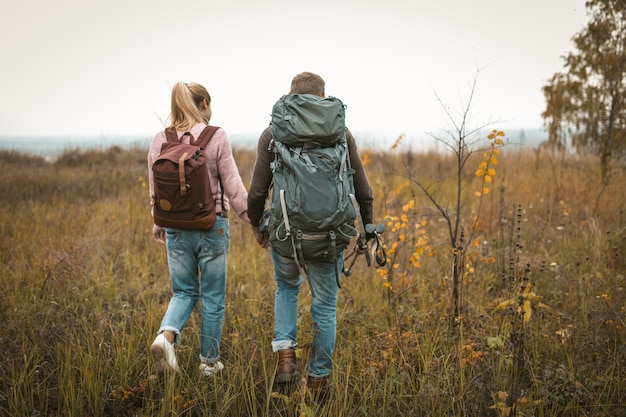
pixel 235 192
pixel 153 154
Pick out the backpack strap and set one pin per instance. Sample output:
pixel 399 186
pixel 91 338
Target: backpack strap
pixel 283 207
pixel 296 241
pixel 171 135
pixel 181 174
pixel 205 136
pixel 202 142
pixel 333 245
pixel 362 234
pixel 298 254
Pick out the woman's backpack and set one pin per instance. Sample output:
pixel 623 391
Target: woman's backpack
pixel 183 198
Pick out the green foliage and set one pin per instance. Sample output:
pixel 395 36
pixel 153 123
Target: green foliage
pixel 586 102
pixel 83 288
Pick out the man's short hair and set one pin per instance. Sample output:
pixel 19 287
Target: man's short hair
pixel 307 83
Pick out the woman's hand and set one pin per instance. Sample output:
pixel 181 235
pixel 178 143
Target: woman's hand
pixel 158 233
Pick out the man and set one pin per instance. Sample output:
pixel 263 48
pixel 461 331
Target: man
pixel 321 274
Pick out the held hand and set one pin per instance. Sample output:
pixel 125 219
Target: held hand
pixel 158 233
pixel 359 247
pixel 261 238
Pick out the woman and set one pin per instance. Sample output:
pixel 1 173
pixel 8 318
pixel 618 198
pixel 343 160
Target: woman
pixel 197 259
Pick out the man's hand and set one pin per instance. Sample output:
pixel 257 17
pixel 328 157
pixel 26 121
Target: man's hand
pixel 360 246
pixel 158 233
pixel 261 238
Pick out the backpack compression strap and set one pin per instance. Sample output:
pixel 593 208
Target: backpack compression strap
pixel 363 239
pixel 298 259
pixel 296 242
pixel 297 254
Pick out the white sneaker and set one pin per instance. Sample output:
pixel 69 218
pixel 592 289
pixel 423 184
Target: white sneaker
pixel 163 353
pixel 210 369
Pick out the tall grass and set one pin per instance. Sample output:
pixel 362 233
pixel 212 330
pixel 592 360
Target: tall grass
pixel 83 288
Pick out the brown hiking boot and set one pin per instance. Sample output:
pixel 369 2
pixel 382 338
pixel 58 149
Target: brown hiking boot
pixel 287 375
pixel 319 387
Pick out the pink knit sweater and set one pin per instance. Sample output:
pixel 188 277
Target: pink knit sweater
pixel 220 159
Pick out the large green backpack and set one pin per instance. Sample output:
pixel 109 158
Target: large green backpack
pixel 313 209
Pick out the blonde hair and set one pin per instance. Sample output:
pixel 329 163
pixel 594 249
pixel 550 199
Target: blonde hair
pixel 307 83
pixel 185 107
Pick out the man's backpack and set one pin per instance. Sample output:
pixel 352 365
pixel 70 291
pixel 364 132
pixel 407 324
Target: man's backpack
pixel 183 198
pixel 312 209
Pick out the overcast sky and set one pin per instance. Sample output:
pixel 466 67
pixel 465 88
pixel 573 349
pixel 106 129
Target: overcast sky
pixel 84 67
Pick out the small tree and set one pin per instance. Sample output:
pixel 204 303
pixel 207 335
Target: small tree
pixel 462 141
pixel 586 103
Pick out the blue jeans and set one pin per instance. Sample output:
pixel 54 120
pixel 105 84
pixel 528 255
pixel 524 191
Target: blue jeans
pixel 321 277
pixel 197 262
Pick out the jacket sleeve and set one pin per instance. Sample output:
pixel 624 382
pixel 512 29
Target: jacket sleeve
pixel 362 189
pixel 261 179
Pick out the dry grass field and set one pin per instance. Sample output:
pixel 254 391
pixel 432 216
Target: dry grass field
pixel 538 326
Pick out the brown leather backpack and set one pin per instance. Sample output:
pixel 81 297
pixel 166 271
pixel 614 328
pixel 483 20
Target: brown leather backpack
pixel 183 198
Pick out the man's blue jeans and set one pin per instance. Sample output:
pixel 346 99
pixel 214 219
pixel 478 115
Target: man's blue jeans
pixel 197 262
pixel 321 277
